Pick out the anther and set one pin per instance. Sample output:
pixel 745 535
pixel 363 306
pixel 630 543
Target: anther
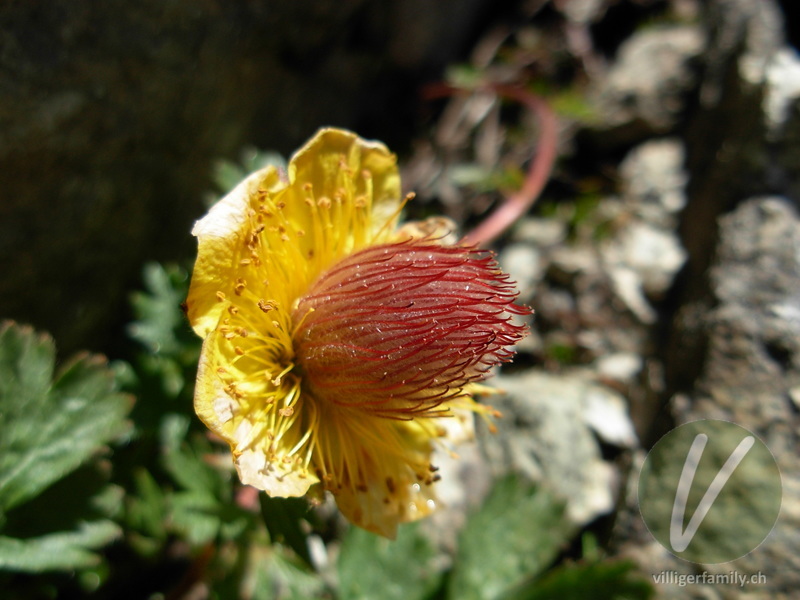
pixel 266 305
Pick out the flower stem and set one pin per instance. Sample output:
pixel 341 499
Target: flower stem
pixel 518 203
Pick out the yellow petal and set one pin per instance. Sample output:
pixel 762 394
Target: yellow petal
pixel 378 469
pixel 259 418
pixel 370 510
pixel 219 238
pixel 274 476
pixel 276 236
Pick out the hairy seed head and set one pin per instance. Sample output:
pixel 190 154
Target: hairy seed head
pixel 399 329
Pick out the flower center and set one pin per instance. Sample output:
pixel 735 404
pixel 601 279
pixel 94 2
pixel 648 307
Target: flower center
pixel 399 329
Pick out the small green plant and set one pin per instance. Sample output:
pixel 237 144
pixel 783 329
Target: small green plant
pixel 56 502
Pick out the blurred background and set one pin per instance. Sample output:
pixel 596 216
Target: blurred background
pixel 662 259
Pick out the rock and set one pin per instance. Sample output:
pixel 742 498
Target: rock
pixel 620 366
pixel 542 233
pixel 606 412
pixel 466 478
pixel 653 255
pixel 627 286
pixel 547 434
pixel 645 91
pixel 782 89
pixel 569 262
pixel 523 263
pixel 654 181
pixel 782 113
pixel 751 367
pixel 728 157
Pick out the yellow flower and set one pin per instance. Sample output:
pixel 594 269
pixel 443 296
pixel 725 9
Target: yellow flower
pixel 339 349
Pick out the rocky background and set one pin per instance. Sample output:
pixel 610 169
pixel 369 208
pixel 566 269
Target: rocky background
pixel 663 259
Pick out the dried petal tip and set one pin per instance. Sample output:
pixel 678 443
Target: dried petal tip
pixel 399 329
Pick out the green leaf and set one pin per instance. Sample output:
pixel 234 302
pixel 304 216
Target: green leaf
pixel 164 370
pixel 228 174
pixel 203 509
pixel 146 508
pixel 374 568
pixel 184 462
pixel 57 551
pixel 516 534
pixel 483 179
pixel 611 580
pixel 272 573
pixel 84 495
pixel 464 76
pixel 49 428
pixel 196 515
pixel 284 519
pixel 158 313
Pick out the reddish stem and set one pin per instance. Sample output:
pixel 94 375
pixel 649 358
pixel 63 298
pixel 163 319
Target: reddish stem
pixel 518 203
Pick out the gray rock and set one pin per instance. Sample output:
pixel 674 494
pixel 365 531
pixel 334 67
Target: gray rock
pixel 644 93
pixel 782 90
pixel 620 366
pixel 523 263
pixel 728 158
pixel 653 255
pixel 751 370
pixel 654 181
pixel 539 232
pixel 548 434
pixel 782 114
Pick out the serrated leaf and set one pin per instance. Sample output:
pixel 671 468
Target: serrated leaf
pixel 157 308
pixel 203 509
pixel 284 518
pixel 196 516
pixel 49 428
pixel 374 568
pixel 147 508
pixel 172 349
pixel 611 580
pixel 84 495
pixel 514 536
pixel 185 464
pixel 57 551
pixel 273 573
